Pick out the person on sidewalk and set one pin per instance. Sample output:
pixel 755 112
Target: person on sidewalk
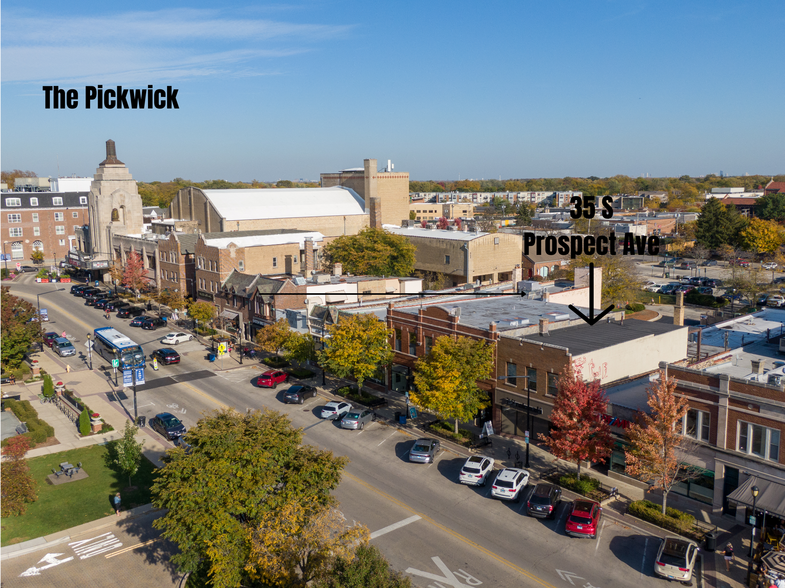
pixel 117 504
pixel 728 556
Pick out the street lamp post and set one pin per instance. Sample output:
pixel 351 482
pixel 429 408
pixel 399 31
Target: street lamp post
pixel 755 491
pixel 90 350
pixel 5 256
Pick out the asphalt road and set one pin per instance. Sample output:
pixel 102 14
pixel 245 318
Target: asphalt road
pixel 438 531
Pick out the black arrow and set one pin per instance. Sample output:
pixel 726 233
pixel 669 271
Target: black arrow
pixel 591 319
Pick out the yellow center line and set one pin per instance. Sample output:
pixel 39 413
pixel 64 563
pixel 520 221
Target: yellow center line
pixel 131 548
pixel 449 531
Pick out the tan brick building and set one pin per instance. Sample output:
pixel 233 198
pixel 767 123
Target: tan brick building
pixel 386 193
pixel 429 211
pixel 463 256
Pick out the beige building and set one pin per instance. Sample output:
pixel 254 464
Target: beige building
pixel 429 211
pixel 463 256
pixel 386 193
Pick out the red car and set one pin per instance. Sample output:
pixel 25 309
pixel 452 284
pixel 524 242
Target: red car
pixel 584 520
pixel 49 338
pixel 271 379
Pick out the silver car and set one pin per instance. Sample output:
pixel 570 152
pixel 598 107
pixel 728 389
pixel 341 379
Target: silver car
pixel 424 451
pixel 63 347
pixel 357 419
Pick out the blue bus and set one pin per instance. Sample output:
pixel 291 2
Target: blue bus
pixel 111 344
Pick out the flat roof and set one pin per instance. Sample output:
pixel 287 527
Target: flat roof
pixel 434 233
pixel 263 240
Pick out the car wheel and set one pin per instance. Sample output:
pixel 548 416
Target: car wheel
pixel 176 342
pixel 361 426
pixel 302 399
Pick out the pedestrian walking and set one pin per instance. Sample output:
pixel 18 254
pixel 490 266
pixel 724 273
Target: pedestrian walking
pixel 63 335
pixel 106 313
pixel 728 556
pixel 117 504
pixel 67 368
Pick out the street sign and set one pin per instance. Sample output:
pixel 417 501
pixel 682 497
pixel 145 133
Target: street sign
pixel 18 265
pixel 221 349
pixel 139 375
pixel 128 378
pixel 89 344
pixel 115 363
pixel 487 429
pixel 412 412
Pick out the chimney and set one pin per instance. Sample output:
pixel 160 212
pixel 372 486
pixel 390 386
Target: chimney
pixel 678 310
pixel 337 269
pixel 543 326
pixel 517 274
pixel 308 263
pixel 757 366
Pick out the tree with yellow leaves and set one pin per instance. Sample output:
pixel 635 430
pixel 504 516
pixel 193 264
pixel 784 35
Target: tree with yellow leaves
pixel 446 378
pixel 295 544
pixel 358 345
pixel 761 236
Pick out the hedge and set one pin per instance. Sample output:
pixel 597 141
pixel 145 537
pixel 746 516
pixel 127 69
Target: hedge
pixel 673 519
pixel 38 431
pixel 275 361
pixel 585 486
pixel 635 307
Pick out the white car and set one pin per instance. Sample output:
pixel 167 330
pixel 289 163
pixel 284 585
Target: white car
pixel 775 300
pixel 175 338
pixel 676 559
pixel 509 484
pixel 476 470
pixel 769 265
pixel 335 410
pixel 655 288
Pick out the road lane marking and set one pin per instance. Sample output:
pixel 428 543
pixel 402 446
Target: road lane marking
pixel 49 558
pixel 383 440
pixel 599 535
pixel 449 531
pixel 97 545
pixel 643 561
pixel 448 577
pixel 132 547
pixel 394 526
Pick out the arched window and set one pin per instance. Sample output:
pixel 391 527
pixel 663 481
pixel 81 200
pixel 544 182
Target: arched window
pixel 115 215
pixel 37 245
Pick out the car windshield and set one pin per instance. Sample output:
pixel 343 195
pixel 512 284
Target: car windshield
pixel 170 421
pixel 352 415
pixel 64 344
pixel 420 447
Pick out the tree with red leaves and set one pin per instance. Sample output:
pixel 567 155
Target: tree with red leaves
pixel 442 224
pixel 580 433
pixel 134 272
pixel 18 486
pixel 458 223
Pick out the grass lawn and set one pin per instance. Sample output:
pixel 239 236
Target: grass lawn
pixel 73 503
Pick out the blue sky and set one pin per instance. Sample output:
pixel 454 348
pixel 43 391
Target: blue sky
pixel 516 89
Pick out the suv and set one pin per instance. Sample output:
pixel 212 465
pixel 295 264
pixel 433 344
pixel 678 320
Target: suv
pixel 129 311
pixel 49 338
pixel 509 484
pixel 544 501
pixel 76 289
pixel 584 520
pixel 63 347
pixel 476 470
pixel 271 378
pixel 676 559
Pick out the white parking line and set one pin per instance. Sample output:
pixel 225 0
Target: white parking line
pixel 643 561
pixel 383 440
pixel 394 526
pixel 599 535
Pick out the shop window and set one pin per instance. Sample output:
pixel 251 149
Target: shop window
pixel 758 440
pixel 553 389
pixel 412 343
pixel 697 424
pixel 532 381
pixel 397 339
pixel 512 375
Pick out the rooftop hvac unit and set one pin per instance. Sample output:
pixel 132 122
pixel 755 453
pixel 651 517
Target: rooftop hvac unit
pixel 776 379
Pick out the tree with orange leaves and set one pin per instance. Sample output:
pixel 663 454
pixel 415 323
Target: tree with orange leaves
pixel 580 433
pixel 18 486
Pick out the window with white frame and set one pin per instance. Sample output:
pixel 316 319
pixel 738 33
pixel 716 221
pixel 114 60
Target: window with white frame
pixel 38 246
pixel 33 201
pixel 275 262
pixel 14 218
pixel 758 440
pixel 696 424
pixel 35 217
pixel 62 242
pixel 241 265
pixel 17 250
pixel 13 202
pixel 75 214
pixel 15 232
pixel 57 201
pixel 59 230
pixel 36 231
pixel 59 216
pixel 83 200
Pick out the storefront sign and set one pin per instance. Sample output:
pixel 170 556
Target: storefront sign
pixel 203 294
pixel 259 322
pixel 103 264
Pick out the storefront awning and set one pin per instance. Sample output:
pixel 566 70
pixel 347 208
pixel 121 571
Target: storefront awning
pixel 771 495
pixel 230 314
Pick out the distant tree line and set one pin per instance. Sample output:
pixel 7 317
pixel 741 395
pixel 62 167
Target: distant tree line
pixel 162 193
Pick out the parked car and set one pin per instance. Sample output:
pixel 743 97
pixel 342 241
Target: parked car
pixel 712 283
pixel 655 289
pixel 668 288
pixel 165 356
pixel 175 338
pixel 28 268
pixel 150 324
pixel 92 299
pixel 769 265
pixel 544 501
pixel 706 290
pixel 130 311
pixel 77 288
pixel 111 306
pixel 676 559
pixel 476 470
pixel 102 303
pixel 137 322
pixel 509 484
pixel 271 378
pixel 688 265
pixel 709 263
pixel 63 347
pixel 357 419
pixel 686 288
pixel 762 299
pixel 775 300
pixel 49 338
pixel 696 280
pixel 424 450
pixel 298 394
pixel 335 409
pixel 739 262
pixel 167 425
pixel 88 291
pixel 584 519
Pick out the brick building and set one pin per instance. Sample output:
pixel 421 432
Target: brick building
pixel 45 221
pixel 429 211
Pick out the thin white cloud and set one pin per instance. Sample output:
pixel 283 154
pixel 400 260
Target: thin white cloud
pixel 149 46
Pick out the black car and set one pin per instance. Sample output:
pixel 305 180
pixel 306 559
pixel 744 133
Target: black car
pixel 28 268
pixel 151 323
pixel 298 394
pixel 112 306
pixel 165 355
pixel 92 299
pixel 77 288
pixel 102 303
pixel 167 425
pixel 137 322
pixel 89 291
pixel 544 501
pixel 129 311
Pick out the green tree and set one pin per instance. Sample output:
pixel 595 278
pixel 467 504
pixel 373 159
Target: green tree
pixel 84 423
pixel 620 281
pixel 272 338
pixel 128 451
pixel 239 470
pixel 357 346
pixel 37 256
pixel 202 311
pixel 523 214
pixel 371 252
pixel 719 224
pixel 412 215
pixel 18 331
pixel 761 236
pixel 17 486
pixel 367 569
pixel 446 378
pixel 771 207
pixel 49 386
